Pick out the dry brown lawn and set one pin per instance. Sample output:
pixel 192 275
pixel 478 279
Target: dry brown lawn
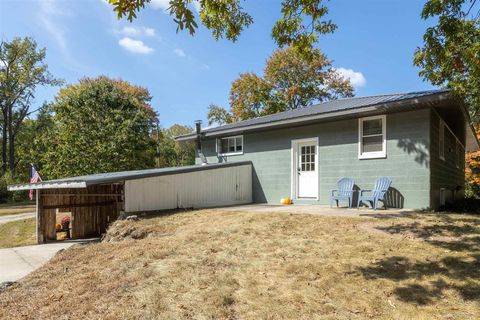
pixel 237 265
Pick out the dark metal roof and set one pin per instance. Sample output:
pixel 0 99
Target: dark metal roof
pixel 114 177
pixel 329 109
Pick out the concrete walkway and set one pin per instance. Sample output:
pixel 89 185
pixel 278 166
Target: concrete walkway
pixel 15 263
pixel 14 217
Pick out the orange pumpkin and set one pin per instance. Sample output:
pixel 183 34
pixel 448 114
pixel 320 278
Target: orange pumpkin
pixel 58 227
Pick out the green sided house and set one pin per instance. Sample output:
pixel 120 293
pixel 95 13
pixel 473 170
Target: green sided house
pixel 418 139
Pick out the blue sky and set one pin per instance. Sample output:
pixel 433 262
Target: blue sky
pixel 374 44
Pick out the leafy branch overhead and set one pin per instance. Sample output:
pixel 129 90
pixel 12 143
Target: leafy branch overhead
pixel 300 24
pixel 450 55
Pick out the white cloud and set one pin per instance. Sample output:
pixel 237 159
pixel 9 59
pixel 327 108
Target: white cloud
pixel 356 78
pixel 165 4
pixel 179 52
pixel 53 17
pixel 130 31
pixel 149 32
pixel 135 46
pixel 49 10
pixel 160 4
pixel 196 4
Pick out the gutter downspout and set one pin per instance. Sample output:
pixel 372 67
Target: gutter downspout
pixel 198 140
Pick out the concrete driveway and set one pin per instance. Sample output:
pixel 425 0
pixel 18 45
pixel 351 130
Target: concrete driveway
pixel 15 263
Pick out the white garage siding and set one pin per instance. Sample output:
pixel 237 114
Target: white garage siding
pixel 196 189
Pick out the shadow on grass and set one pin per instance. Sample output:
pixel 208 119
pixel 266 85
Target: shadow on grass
pixel 399 268
pixel 461 274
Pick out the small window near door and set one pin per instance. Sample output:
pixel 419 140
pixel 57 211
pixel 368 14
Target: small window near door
pixel 307 162
pixel 230 146
pixel 372 142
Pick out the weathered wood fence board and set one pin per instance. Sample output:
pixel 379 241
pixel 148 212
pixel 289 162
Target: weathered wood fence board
pixel 92 208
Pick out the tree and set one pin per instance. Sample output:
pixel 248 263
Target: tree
pixel 22 70
pixel 291 81
pixel 173 153
pixel 218 114
pixel 299 82
pixel 31 142
pixel 248 96
pixel 450 55
pixel 300 24
pixel 100 125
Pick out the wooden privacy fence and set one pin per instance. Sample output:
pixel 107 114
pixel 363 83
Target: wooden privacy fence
pixel 92 209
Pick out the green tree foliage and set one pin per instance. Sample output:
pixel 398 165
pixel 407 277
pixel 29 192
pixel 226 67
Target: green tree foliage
pixel 450 55
pixel 249 96
pixel 22 70
pixel 217 114
pixel 31 144
pixel 291 81
pixel 173 153
pixel 100 125
pixel 299 25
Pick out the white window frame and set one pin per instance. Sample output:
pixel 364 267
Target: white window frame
pixel 236 153
pixel 376 154
pixel 441 140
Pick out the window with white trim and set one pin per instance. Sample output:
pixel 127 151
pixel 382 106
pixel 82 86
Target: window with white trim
pixel 229 146
pixel 372 137
pixel 441 140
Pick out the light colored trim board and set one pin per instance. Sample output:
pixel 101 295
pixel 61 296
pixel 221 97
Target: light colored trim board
pixel 294 157
pixel 441 140
pixel 48 185
pixel 378 154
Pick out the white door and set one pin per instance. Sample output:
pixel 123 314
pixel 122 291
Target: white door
pixel 306 168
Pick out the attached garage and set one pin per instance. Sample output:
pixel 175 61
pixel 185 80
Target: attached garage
pixel 96 200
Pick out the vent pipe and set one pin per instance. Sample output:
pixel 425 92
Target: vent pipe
pixel 198 129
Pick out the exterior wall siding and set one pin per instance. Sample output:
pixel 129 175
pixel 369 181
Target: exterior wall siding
pixel 196 189
pixel 407 161
pixel 449 173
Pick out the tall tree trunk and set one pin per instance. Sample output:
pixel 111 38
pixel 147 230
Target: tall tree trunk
pixel 11 153
pixel 4 141
pixel 11 143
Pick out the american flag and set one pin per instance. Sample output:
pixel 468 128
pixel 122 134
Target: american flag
pixel 34 178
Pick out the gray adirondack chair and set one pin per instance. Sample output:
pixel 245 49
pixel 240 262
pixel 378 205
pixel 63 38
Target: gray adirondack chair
pixel 377 194
pixel 344 191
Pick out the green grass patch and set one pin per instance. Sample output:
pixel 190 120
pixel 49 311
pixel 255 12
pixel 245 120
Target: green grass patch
pixel 17 233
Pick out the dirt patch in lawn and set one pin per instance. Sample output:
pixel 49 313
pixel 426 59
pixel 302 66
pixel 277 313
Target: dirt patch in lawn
pixel 239 265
